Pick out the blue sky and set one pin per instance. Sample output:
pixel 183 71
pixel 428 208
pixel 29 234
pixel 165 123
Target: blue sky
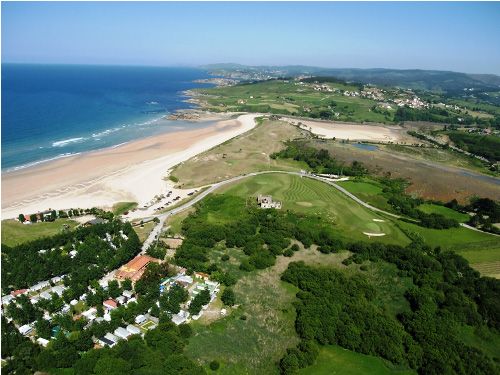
pixel 449 36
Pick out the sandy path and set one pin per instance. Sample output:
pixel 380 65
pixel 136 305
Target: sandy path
pixel 131 172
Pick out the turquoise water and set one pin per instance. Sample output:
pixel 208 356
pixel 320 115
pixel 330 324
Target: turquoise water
pixel 364 146
pixel 52 111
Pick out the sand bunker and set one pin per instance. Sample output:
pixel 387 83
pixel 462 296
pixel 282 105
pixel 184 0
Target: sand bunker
pixel 374 234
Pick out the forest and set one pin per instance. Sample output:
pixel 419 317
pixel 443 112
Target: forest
pixel 446 295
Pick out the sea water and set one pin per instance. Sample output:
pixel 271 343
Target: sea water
pixel 53 111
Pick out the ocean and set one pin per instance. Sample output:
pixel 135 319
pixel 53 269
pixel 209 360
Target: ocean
pixel 53 111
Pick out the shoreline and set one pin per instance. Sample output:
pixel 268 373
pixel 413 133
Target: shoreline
pixel 133 171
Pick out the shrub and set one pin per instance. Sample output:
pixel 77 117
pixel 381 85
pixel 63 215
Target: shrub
pixel 214 365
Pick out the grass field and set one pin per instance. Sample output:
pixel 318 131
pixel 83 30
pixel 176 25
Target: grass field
pixel 143 232
pixel 482 250
pixel 121 207
pixel 445 211
pixel 367 190
pixel 333 360
pixel 247 153
pixel 15 233
pixel 314 197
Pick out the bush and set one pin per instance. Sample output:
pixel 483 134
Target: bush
pixel 214 365
pixel 288 253
pixel 228 297
pixel 225 258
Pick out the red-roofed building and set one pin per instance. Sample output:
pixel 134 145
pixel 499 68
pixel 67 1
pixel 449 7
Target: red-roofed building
pixel 134 269
pixel 110 304
pixel 18 292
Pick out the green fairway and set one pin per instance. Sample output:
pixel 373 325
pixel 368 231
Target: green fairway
pixel 333 359
pixel 445 211
pixel 315 197
pixel 15 233
pixel 367 190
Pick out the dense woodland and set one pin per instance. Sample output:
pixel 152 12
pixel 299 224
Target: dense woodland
pixel 446 295
pixel 487 146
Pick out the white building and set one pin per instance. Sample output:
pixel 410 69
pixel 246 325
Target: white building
pixel 180 318
pixel 25 329
pixel 122 333
pixel 133 330
pixel 139 319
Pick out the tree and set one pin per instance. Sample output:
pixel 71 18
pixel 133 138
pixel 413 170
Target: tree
pixel 114 289
pixel 126 284
pixel 33 218
pixel 214 365
pixel 43 328
pixel 228 297
pixel 199 301
pixel 21 218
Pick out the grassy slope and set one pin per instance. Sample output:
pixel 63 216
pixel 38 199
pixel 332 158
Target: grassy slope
pixel 368 190
pixel 336 360
pixel 121 207
pixel 247 153
pixel 143 232
pixel 314 197
pixel 14 233
pixel 445 211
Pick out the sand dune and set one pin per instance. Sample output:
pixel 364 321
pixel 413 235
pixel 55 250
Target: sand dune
pixel 132 172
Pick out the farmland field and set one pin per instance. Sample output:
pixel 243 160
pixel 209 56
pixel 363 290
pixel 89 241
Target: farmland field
pixel 315 197
pixel 15 233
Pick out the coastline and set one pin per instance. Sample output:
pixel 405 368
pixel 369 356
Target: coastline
pixel 133 171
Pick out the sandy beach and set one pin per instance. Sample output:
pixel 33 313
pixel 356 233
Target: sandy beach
pixel 131 172
pixel 354 132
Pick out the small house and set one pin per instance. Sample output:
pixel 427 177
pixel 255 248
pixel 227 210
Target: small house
pixel 133 330
pixel 122 333
pixel 25 330
pixel 110 304
pixel 139 319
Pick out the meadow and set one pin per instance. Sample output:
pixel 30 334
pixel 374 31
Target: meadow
pixel 333 360
pixel 15 233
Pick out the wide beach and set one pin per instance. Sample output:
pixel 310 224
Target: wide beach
pixel 132 172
